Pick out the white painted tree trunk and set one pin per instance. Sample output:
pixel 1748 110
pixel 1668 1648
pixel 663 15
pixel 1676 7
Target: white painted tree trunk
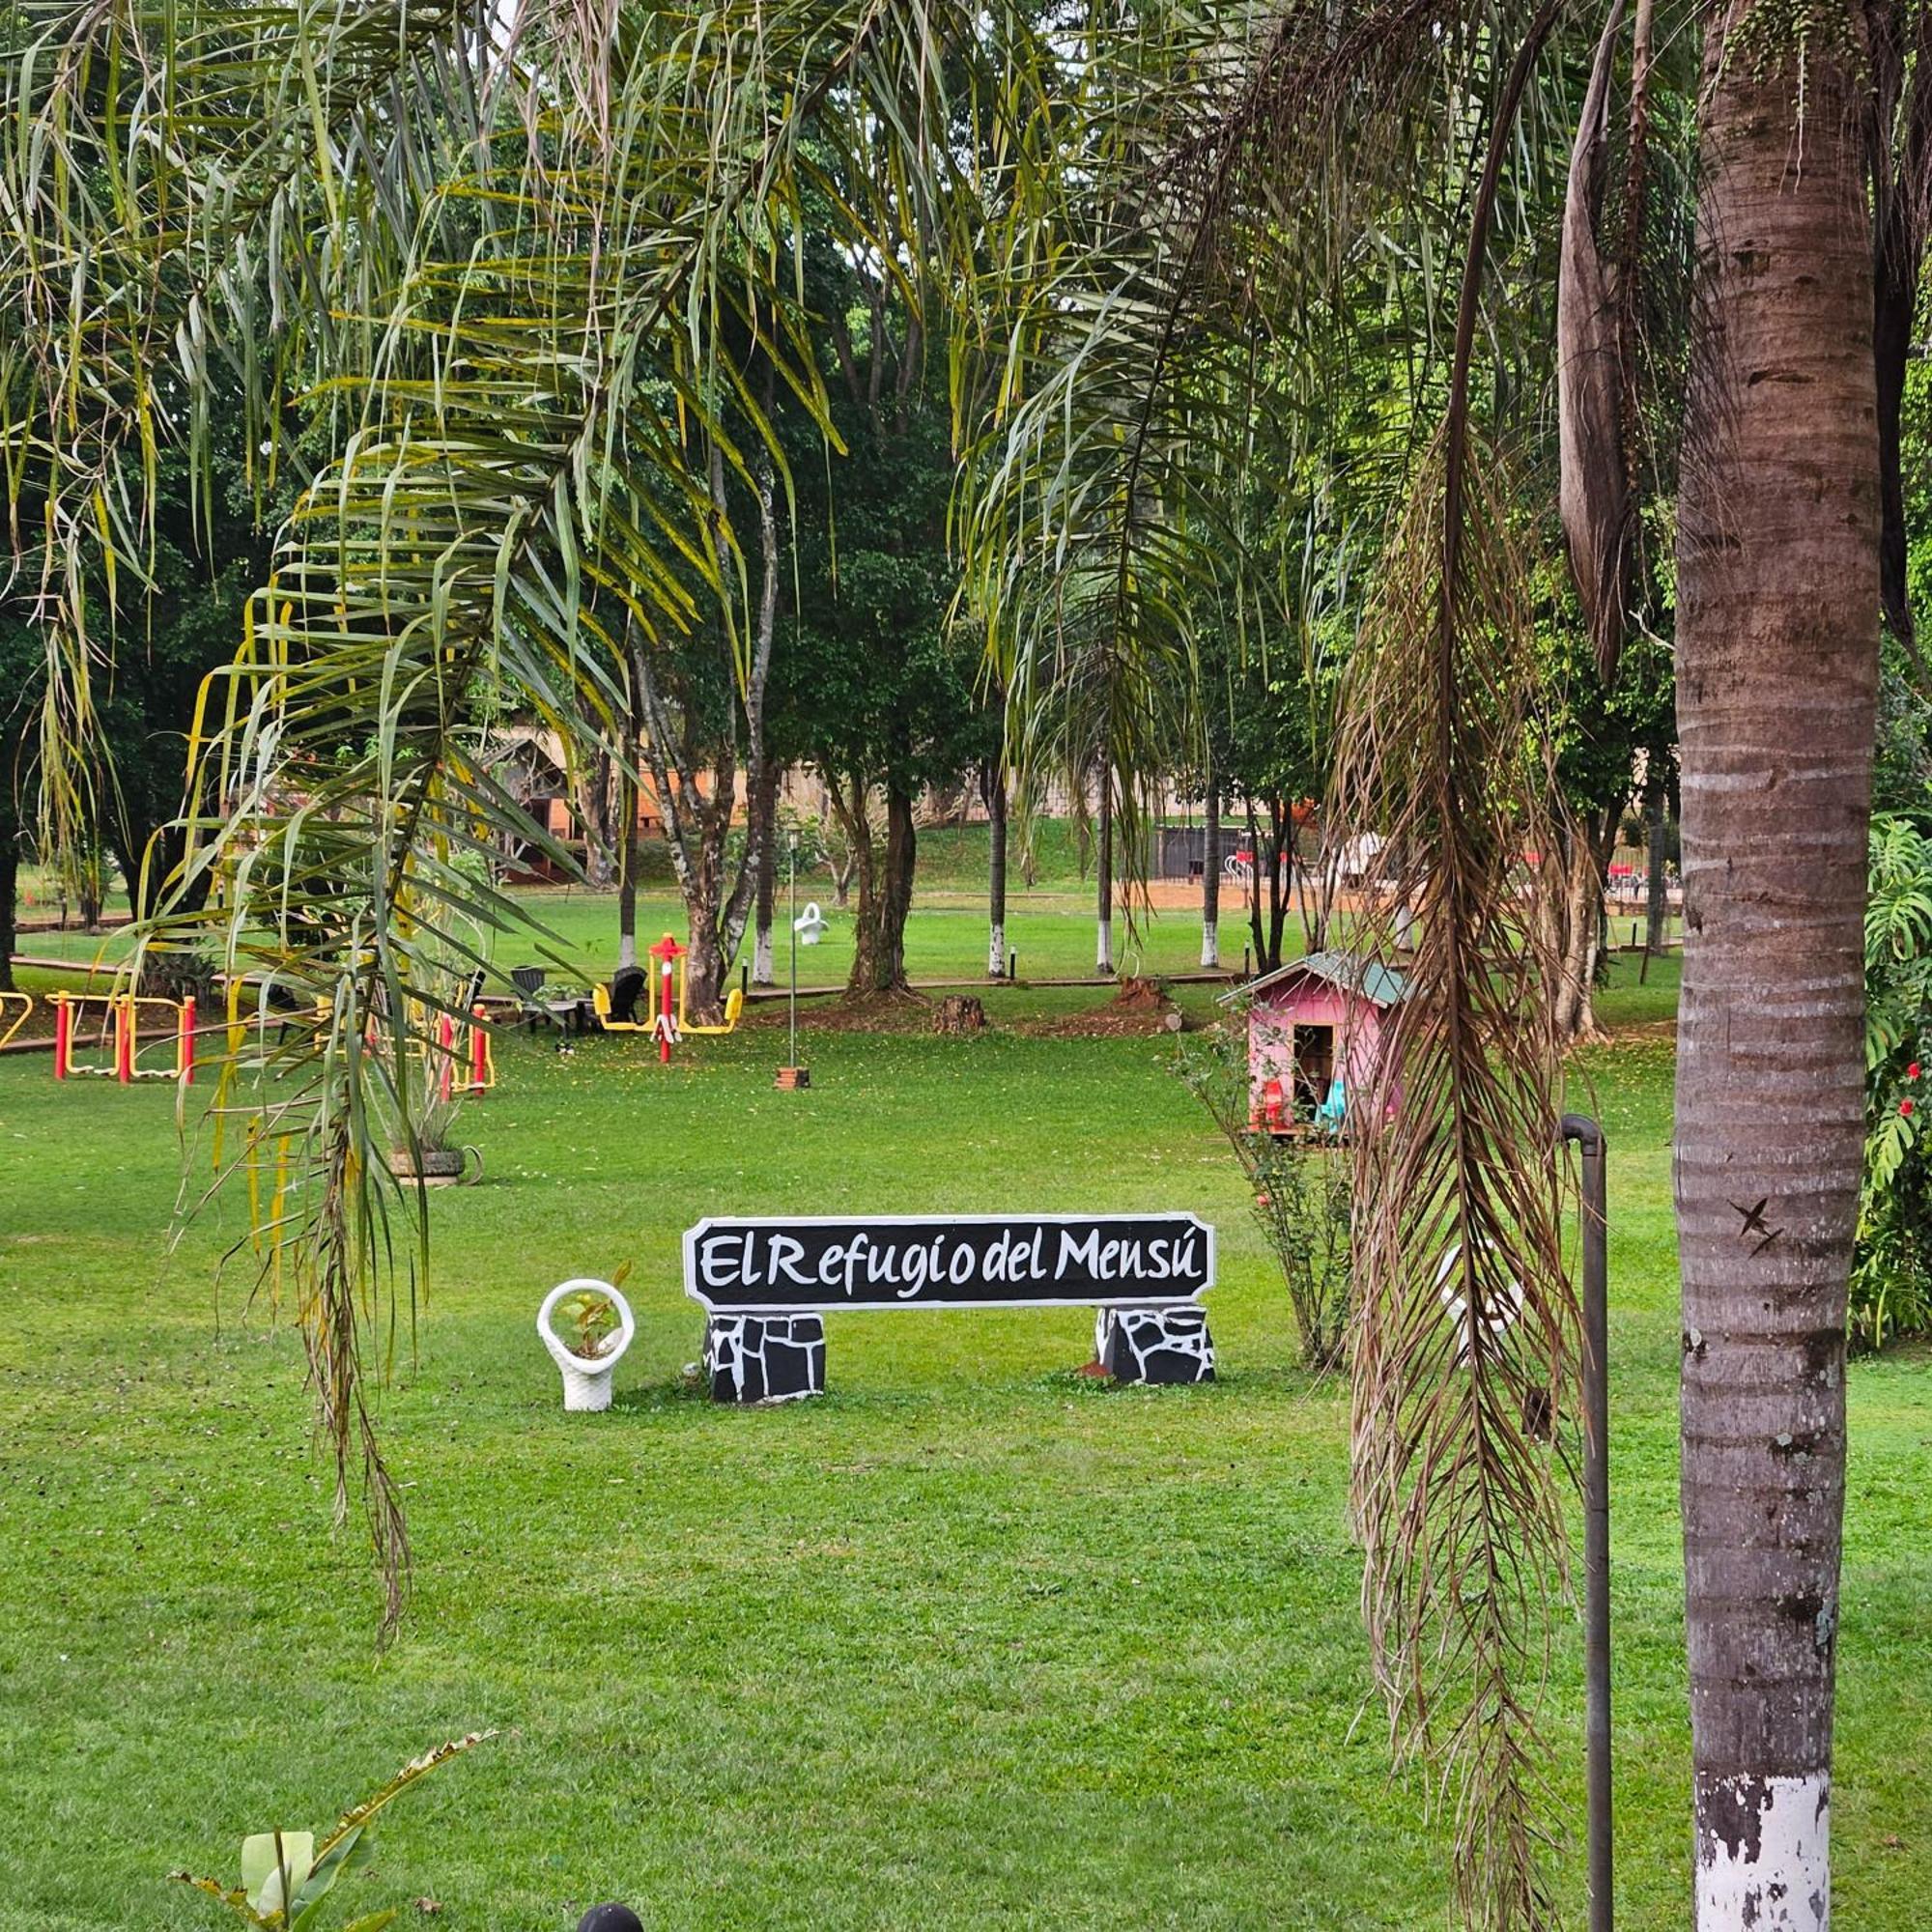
pixel 996 953
pixel 1764 1853
pixel 627 951
pixel 1211 945
pixel 1103 949
pixel 761 957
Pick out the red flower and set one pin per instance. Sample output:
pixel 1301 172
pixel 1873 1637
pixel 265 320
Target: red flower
pixel 1262 1199
pixel 1905 1106
pixel 1912 1071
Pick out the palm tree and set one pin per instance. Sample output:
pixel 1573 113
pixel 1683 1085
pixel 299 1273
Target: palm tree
pixel 1778 602
pixel 1798 132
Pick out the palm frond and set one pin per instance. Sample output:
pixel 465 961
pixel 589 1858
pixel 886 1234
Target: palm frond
pixel 538 378
pixel 1464 1326
pixel 1467 1320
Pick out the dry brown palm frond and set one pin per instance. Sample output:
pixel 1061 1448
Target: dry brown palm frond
pixel 1464 1318
pixel 1592 339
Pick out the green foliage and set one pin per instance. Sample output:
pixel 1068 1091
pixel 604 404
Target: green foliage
pixel 871 681
pixel 591 1320
pixel 1892 1275
pixel 1300 1190
pixel 288 1878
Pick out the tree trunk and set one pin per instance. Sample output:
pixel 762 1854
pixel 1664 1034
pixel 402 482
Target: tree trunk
pixel 1657 887
pixel 765 808
pixel 704 963
pixel 593 807
pixel 885 894
pixel 895 896
pixel 993 782
pixel 1210 882
pixel 89 889
pixel 1576 936
pixel 850 808
pixel 1272 854
pixel 10 879
pixel 1778 668
pixel 626 868
pixel 1103 941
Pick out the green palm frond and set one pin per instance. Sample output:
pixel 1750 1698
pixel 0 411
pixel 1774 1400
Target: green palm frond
pixel 538 334
pixel 168 173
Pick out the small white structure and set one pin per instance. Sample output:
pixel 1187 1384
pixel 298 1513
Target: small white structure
pixel 586 1378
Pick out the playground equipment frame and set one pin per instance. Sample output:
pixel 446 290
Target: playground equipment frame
pixel 124 1018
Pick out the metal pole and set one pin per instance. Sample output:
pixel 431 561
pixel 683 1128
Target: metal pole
pixel 1589 1138
pixel 792 854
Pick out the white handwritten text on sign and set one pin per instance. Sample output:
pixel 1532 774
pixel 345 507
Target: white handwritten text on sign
pixel 762 1266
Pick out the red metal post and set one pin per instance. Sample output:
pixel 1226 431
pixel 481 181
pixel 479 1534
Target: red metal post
pixel 184 1054
pixel 124 1039
pixel 63 1034
pixel 665 951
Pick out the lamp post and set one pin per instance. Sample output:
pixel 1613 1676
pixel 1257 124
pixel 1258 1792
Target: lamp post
pixel 1589 1139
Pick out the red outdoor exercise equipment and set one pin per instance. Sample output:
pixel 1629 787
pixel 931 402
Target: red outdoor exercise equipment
pixel 666 951
pixel 119 1036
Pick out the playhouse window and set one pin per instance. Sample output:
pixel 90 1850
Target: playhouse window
pixel 1314 1064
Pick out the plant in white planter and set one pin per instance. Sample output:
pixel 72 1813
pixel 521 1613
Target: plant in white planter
pixel 597 1328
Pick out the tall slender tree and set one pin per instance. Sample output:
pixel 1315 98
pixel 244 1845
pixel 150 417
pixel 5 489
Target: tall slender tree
pixel 1777 630
pixel 993 789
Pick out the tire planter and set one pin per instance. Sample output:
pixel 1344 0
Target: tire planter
pixel 436 1167
pixel 587 1382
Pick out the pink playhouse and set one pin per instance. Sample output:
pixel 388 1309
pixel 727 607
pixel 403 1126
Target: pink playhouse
pixel 1315 1029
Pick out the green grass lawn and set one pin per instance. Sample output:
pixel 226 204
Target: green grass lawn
pixel 969 1642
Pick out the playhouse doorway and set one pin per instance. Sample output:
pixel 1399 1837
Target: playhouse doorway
pixel 1314 1064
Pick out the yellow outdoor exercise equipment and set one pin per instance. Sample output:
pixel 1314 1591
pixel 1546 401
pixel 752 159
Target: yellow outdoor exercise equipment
pixel 16 1009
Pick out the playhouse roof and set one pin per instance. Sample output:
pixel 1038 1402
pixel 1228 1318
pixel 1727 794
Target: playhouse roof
pixel 1367 979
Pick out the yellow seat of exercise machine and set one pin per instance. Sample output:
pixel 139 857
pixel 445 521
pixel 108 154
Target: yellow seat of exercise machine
pixel 600 1005
pixel 734 1004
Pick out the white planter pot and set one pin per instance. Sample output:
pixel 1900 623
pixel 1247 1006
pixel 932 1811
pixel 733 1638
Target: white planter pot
pixel 587 1384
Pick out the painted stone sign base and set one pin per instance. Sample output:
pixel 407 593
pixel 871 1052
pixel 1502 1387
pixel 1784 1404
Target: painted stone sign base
pixel 1154 1344
pixel 764 1357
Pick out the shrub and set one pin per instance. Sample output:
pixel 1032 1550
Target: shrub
pixel 1891 1270
pixel 1301 1196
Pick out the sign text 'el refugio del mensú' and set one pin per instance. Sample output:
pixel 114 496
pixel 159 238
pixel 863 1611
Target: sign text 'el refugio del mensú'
pixel 969 1261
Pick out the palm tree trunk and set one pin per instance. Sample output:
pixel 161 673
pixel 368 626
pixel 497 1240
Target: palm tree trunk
pixel 1103 935
pixel 1778 667
pixel 993 781
pixel 1210 880
pixel 593 806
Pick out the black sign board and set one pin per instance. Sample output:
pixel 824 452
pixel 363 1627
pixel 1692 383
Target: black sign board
pixel 814 1264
